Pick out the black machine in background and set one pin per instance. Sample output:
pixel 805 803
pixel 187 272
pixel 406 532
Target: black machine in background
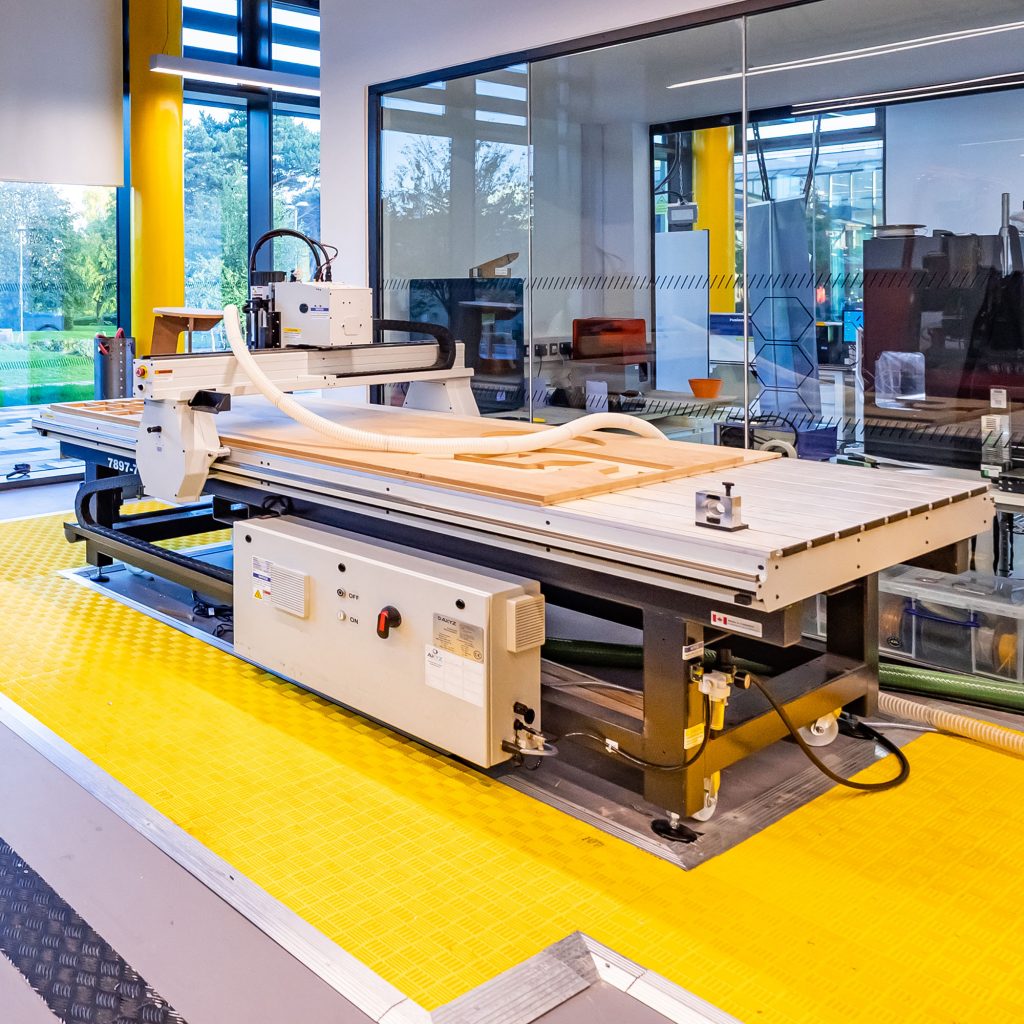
pixel 957 303
pixel 486 314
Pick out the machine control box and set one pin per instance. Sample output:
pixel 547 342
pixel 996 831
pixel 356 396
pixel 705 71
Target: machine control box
pixel 321 314
pixel 433 647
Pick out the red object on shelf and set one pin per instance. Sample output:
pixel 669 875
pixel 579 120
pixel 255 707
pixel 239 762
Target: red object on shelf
pixel 705 387
pixel 609 338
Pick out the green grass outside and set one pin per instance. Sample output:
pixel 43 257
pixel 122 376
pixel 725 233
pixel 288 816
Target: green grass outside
pixel 48 366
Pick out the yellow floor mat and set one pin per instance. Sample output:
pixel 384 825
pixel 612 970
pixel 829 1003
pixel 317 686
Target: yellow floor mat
pixel 897 907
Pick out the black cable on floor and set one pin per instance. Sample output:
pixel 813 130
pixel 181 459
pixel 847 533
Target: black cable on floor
pixel 861 730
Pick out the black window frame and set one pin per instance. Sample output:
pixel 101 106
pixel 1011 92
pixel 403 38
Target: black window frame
pixel 255 50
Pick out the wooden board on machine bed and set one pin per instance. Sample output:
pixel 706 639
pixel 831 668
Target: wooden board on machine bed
pixel 595 464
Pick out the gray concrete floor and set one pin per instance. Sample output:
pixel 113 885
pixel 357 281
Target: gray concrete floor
pixel 205 958
pixel 36 500
pixel 19 1002
pixel 601 1004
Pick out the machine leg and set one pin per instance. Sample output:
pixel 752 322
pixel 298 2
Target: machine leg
pixel 852 631
pixel 107 509
pixel 1008 545
pixel 667 688
pixel 1002 544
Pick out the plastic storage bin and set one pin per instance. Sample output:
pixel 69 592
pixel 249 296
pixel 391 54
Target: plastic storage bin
pixel 971 623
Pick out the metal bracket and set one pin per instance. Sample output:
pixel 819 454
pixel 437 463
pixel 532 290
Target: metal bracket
pixel 720 511
pixel 210 401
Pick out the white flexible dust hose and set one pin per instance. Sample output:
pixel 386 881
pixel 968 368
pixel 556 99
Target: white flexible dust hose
pixel 947 721
pixel 351 438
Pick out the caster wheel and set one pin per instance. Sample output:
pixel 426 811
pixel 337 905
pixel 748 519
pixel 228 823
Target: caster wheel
pixel 706 813
pixel 822 732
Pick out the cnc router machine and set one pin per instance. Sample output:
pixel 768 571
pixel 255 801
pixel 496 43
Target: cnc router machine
pixel 412 587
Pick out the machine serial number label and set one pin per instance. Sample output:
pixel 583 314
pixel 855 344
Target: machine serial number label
pixel 460 638
pixel 735 624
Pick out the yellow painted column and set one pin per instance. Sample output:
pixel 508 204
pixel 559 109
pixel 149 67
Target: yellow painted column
pixel 714 192
pixel 157 172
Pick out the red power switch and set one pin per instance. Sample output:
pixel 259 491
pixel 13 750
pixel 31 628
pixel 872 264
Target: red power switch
pixel 387 619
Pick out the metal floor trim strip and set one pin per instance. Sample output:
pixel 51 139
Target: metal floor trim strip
pixel 517 996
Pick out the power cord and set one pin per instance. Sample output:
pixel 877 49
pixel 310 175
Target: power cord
pixel 612 747
pixel 850 727
pixel 204 610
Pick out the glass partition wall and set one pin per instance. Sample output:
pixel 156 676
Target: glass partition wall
pixel 589 227
pixel 455 222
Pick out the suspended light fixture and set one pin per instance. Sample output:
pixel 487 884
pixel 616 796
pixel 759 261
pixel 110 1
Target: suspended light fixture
pixel 234 74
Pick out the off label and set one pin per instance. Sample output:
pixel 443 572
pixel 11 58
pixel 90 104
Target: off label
pixel 735 624
pixel 693 651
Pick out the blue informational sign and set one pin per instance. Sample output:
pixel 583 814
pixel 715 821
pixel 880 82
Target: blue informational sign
pixel 852 319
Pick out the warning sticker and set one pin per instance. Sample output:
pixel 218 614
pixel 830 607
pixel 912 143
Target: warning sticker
pixel 459 638
pixel 459 677
pixel 692 651
pixel 693 736
pixel 261 578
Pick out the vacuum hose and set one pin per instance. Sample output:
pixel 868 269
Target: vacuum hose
pixel 352 438
pixel 947 721
pixel 1006 695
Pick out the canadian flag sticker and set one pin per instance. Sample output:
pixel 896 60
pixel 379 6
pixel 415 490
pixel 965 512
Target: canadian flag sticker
pixel 735 624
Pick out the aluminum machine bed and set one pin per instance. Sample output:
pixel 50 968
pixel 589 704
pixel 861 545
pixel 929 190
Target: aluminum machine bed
pixel 417 599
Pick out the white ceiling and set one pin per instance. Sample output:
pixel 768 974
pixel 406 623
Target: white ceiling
pixel 629 82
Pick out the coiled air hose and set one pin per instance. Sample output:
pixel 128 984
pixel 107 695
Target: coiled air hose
pixel 351 438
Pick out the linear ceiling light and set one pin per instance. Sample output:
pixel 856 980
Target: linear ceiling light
pixel 921 92
pixel 232 74
pixel 880 50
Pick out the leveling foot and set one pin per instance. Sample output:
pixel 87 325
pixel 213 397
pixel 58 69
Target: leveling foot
pixel 673 828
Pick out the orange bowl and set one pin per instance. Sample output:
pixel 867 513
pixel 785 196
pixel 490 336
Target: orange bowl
pixel 705 387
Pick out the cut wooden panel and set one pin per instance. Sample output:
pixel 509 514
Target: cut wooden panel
pixel 595 464
pixel 114 410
